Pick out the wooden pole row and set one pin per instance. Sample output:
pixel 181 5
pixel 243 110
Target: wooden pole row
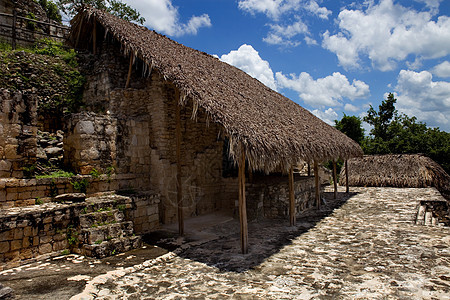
pixel 178 155
pixel 334 179
pixel 292 219
pixel 317 183
pixel 242 203
pixel 346 178
pixel 129 73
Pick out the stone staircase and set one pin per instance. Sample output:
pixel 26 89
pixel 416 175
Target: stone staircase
pixel 105 232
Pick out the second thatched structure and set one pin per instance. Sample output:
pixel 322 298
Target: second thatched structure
pixel 397 170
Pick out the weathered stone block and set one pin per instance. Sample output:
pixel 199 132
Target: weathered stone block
pixel 16 244
pixel 18 233
pixel 4 247
pixel 45 248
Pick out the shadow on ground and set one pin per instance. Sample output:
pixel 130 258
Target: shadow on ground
pixel 221 248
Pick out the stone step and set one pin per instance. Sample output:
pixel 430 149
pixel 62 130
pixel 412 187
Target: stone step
pixel 98 218
pixel 112 247
pixel 106 232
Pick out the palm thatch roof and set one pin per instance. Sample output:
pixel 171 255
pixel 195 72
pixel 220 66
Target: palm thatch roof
pixel 397 170
pixel 274 130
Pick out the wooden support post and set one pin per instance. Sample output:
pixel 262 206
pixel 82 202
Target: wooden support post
pixel 334 179
pixel 129 73
pixel 317 183
pixel 94 38
pixel 347 190
pixel 242 204
pixel 13 42
pixel 79 33
pixel 292 218
pixel 178 154
pixel 309 169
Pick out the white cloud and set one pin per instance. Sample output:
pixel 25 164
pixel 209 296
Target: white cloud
pixel 350 107
pixel 327 91
pixel 282 35
pixel 248 60
pixel 442 70
pixel 321 12
pixel 418 95
pixel 386 34
pixel 328 116
pixel 285 18
pixel 163 17
pixel 271 8
pixel 432 4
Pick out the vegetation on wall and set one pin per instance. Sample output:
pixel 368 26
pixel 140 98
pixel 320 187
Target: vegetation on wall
pixel 48 70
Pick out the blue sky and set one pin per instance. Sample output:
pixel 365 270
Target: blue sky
pixel 330 56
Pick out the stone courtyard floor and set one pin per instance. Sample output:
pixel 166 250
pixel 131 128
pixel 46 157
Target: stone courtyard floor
pixel 363 246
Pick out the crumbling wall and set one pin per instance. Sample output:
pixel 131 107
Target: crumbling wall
pixel 144 120
pixel 269 197
pixel 18 129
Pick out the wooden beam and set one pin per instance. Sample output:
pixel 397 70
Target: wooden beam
pixel 178 154
pixel 317 183
pixel 242 204
pixel 292 218
pixel 334 179
pixel 79 33
pixel 347 190
pixel 94 38
pixel 129 73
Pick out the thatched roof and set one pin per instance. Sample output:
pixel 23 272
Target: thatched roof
pixel 397 170
pixel 274 130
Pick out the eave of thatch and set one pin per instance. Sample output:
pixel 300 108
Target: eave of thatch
pixel 275 131
pixel 397 170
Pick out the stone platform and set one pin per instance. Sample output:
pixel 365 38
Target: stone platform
pixel 365 245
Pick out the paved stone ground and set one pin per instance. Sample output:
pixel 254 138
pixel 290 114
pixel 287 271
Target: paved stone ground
pixel 365 246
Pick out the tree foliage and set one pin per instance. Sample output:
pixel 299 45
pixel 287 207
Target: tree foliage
pixel 351 126
pixel 398 133
pixel 51 9
pixel 115 7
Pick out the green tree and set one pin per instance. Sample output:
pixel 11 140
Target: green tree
pixel 51 9
pixel 351 126
pixel 398 133
pixel 115 7
pixel 381 120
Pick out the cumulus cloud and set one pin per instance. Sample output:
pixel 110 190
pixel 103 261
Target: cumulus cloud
pixel 350 107
pixel 327 91
pixel 163 17
pixel 442 70
pixel 321 12
pixel 386 34
pixel 328 116
pixel 417 94
pixel 282 35
pixel 248 60
pixel 286 24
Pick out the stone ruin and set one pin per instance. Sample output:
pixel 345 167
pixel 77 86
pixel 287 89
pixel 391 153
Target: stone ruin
pixel 121 145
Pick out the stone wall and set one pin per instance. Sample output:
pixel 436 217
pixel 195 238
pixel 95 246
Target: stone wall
pixel 269 196
pixel 23 192
pixel 28 232
pixel 27 32
pixel 18 129
pixel 143 117
pixel 144 212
